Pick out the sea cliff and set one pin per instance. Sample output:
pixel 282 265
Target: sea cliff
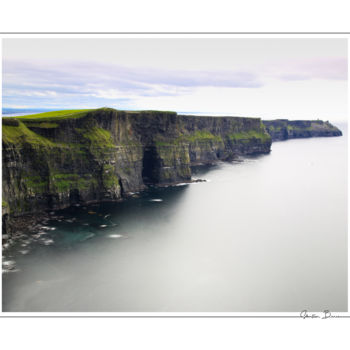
pixel 284 129
pixel 58 159
pixel 54 160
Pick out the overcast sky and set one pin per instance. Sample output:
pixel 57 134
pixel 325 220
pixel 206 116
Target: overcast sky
pixel 268 78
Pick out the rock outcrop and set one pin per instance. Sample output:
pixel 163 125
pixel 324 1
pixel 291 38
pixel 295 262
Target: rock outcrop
pixel 105 154
pixel 283 129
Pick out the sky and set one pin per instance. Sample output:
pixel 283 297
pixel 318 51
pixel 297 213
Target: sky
pixel 254 77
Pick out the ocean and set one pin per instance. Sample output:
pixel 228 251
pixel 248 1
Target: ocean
pixel 263 234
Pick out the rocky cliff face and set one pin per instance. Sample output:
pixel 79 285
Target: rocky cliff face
pixel 283 129
pixel 54 162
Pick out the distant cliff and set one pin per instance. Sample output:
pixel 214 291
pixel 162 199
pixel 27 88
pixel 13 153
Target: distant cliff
pixel 53 161
pixel 283 129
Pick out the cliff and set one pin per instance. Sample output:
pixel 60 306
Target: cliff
pixel 53 160
pixel 283 129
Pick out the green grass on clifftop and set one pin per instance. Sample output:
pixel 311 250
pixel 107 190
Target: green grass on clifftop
pixel 53 116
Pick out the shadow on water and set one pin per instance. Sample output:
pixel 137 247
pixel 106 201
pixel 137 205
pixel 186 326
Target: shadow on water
pixel 70 227
pixel 200 171
pixel 79 230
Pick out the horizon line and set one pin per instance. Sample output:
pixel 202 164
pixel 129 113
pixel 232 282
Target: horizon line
pixel 208 114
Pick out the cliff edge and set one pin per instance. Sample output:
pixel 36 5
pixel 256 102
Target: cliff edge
pixel 56 159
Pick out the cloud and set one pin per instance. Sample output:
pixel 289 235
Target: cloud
pixel 73 84
pixel 319 68
pixel 109 82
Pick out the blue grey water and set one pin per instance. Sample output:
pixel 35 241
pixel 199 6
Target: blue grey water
pixel 266 234
pixel 17 112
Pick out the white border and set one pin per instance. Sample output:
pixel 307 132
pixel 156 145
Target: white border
pixel 315 315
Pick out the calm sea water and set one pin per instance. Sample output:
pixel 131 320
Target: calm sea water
pixel 265 234
pixel 17 112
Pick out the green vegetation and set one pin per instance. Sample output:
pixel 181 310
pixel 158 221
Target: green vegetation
pixel 197 136
pixel 64 182
pixel 59 182
pixel 49 116
pixel 36 183
pixel 167 143
pixel 18 133
pixel 152 112
pixel 97 141
pixel 98 137
pixel 246 136
pixel 21 134
pixel 201 135
pixel 44 125
pixel 273 128
pixel 110 180
pixel 175 154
